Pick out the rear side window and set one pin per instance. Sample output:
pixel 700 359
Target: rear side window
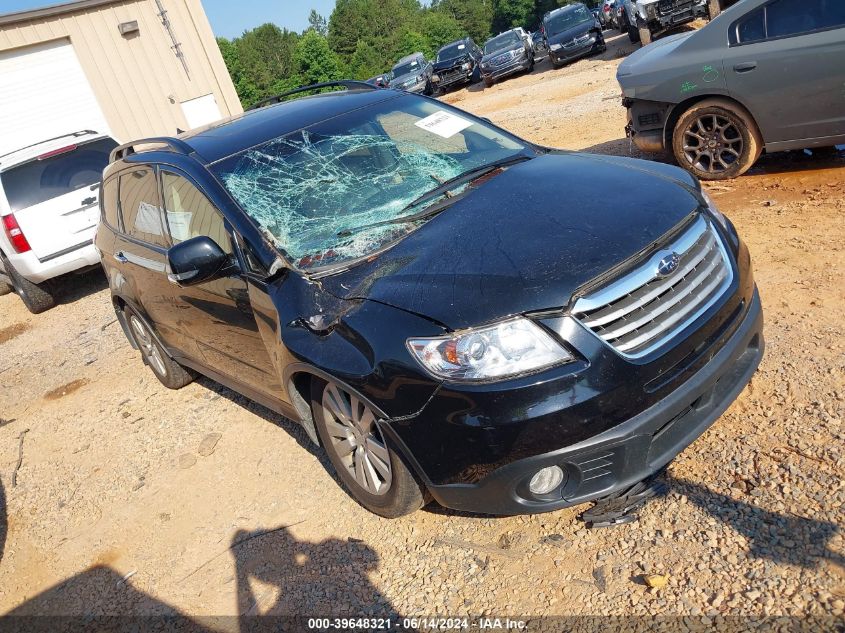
pixel 56 173
pixel 785 18
pixel 190 214
pixel 139 207
pixel 109 203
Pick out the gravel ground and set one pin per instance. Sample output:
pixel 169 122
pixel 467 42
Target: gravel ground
pixel 132 499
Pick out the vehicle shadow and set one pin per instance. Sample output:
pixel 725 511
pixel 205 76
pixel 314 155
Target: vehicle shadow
pixel 776 163
pixel 787 539
pixel 280 582
pixel 293 428
pixel 72 288
pixel 278 575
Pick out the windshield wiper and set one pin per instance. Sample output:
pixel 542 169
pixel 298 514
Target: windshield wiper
pixel 471 174
pixel 443 190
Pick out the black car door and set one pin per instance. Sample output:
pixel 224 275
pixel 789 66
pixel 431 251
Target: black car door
pixel 216 315
pixel 140 255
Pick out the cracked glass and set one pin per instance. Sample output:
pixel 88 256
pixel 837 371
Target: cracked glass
pixel 317 192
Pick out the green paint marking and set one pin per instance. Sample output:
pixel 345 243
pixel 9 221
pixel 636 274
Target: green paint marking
pixel 688 86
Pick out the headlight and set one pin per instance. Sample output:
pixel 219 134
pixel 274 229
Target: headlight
pixel 555 47
pixel 466 66
pixel 714 211
pixel 512 347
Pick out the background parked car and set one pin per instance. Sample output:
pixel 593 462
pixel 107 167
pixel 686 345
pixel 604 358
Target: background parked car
pixel 412 74
pixel 505 54
pixel 381 81
pixel 572 32
pixel 765 75
pixel 456 63
pixel 600 16
pixel 610 8
pixel 49 212
pixel 644 20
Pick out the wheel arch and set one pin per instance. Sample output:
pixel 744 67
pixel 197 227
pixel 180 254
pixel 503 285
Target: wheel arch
pixel 677 111
pixel 297 380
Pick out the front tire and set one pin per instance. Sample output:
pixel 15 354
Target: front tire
pixel 169 373
pixel 716 140
pixel 644 33
pixel 36 298
pixel 371 471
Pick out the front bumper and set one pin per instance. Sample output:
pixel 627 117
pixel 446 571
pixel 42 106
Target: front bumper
pixel 564 55
pixel 417 88
pixel 452 77
pixel 683 16
pixel 510 68
pixel 630 452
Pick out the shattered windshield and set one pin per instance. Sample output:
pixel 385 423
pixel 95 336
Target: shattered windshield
pixel 324 193
pixel 451 52
pixel 501 41
pixel 567 19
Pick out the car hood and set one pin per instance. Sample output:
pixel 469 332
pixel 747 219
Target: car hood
pixel 449 63
pixel 657 55
pixel 399 79
pixel 488 56
pixel 571 33
pixel 525 240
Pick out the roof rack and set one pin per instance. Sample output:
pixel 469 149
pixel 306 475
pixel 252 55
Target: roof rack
pixel 349 84
pixel 174 144
pixel 55 138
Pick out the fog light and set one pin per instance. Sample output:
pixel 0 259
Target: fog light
pixel 545 480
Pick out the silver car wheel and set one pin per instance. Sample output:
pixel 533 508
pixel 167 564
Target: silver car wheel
pixel 357 440
pixel 713 143
pixel 148 347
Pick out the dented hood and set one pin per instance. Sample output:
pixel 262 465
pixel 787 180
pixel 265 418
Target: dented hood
pixel 526 239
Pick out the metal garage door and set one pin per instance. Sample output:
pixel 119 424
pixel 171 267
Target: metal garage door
pixel 43 94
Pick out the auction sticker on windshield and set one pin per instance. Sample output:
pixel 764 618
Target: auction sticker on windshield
pixel 443 123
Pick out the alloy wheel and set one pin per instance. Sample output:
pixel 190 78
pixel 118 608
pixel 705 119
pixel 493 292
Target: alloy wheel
pixel 356 440
pixel 713 143
pixel 148 347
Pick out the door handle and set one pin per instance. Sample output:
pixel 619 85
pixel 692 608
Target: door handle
pixel 119 256
pixel 745 67
pixel 89 201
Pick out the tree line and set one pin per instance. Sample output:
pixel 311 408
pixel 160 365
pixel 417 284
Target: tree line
pixel 364 38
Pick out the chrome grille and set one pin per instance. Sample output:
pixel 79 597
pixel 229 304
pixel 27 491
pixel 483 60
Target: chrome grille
pixel 664 7
pixel 642 310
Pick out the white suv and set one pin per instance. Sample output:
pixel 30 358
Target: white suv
pixel 49 210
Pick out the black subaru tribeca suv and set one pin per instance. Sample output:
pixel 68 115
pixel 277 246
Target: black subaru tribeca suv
pixel 447 309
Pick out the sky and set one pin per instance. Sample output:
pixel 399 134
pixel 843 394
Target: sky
pixel 229 18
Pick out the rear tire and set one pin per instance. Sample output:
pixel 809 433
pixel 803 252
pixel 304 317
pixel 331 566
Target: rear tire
pixel 371 471
pixel 716 140
pixel 169 373
pixel 714 8
pixel 36 298
pixel 644 33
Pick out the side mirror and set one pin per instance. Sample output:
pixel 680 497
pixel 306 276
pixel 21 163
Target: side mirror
pixel 195 261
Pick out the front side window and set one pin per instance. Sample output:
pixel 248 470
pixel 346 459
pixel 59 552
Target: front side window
pixel 139 207
pixel 190 214
pixel 341 189
pixel 56 173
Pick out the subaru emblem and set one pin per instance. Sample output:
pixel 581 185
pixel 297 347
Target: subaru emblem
pixel 668 264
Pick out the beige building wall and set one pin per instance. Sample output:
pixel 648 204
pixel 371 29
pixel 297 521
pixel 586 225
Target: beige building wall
pixel 137 79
